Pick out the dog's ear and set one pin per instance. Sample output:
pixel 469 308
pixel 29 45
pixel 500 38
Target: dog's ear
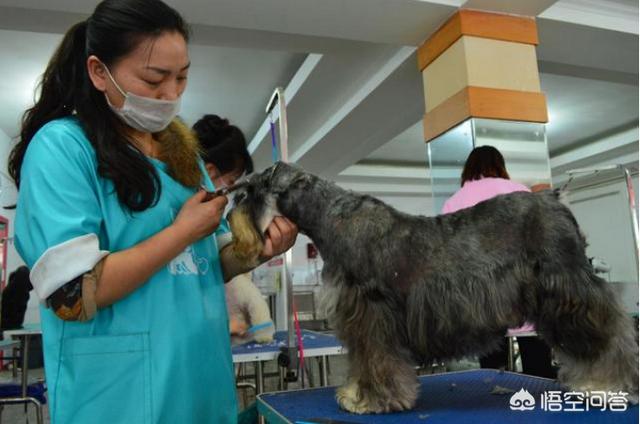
pixel 273 171
pixel 283 177
pixel 301 181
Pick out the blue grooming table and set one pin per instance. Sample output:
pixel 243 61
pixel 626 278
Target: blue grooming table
pixel 316 345
pixel 456 397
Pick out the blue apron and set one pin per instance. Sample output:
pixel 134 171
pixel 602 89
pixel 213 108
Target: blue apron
pixel 160 355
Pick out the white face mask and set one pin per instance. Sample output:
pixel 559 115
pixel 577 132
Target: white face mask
pixel 143 113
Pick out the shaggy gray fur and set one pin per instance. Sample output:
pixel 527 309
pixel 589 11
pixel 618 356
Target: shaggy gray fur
pixel 410 289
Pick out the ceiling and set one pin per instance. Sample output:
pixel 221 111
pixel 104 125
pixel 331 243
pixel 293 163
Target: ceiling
pixel 579 109
pixel 349 68
pixel 222 80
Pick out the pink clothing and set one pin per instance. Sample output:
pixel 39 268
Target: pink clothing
pixel 526 330
pixel 474 192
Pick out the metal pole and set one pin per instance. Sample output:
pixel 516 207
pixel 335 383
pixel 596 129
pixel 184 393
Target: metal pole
pixel 284 129
pixel 324 381
pixel 510 365
pixel 25 362
pixel 282 384
pixel 259 377
pixel 632 207
pixel 25 367
pixel 39 413
pixel 287 286
pixel 278 96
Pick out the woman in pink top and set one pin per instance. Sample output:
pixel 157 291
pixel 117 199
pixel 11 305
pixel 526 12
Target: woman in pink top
pixel 485 176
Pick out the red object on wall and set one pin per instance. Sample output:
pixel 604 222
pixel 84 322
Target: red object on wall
pixel 312 251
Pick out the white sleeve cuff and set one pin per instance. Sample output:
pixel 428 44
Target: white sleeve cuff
pixel 62 263
pixel 223 239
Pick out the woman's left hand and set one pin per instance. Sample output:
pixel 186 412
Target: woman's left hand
pixel 280 236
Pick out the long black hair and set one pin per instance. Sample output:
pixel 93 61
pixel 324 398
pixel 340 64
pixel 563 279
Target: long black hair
pixel 223 144
pixel 115 28
pixel 484 161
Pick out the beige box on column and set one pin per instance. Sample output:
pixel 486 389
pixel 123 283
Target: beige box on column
pixel 481 64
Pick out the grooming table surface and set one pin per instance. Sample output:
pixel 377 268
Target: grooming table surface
pixel 315 344
pixel 456 397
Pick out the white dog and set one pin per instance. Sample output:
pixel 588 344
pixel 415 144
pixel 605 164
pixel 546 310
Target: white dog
pixel 248 312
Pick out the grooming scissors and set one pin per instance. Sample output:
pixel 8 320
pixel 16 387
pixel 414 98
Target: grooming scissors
pixel 223 191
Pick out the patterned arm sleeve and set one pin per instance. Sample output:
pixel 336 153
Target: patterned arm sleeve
pixel 76 300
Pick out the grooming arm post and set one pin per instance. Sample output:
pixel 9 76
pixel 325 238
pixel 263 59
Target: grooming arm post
pixel 632 207
pixel 286 289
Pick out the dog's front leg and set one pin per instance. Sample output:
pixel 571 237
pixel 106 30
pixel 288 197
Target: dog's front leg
pixel 379 383
pixel 382 377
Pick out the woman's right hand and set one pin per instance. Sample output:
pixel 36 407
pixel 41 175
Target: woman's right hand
pixel 199 218
pixel 126 270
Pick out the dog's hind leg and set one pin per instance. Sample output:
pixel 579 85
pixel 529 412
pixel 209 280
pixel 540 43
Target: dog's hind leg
pixel 595 340
pixel 381 374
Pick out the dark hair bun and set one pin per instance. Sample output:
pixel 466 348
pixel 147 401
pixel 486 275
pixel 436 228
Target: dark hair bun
pixel 212 130
pixel 224 144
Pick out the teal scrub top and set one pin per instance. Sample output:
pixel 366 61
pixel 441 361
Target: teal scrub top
pixel 162 354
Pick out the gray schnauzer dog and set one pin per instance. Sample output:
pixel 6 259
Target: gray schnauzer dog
pixel 410 289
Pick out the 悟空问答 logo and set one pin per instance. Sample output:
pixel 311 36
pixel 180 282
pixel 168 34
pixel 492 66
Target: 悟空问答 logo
pixel 522 401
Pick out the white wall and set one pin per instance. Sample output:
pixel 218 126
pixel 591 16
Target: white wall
pixel 603 214
pixel 13 259
pixel 304 270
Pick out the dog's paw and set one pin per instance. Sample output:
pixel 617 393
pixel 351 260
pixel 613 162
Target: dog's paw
pixel 352 399
pixel 264 336
pixel 348 397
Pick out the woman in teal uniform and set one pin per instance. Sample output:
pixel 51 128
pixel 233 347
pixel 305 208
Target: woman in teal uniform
pixel 118 237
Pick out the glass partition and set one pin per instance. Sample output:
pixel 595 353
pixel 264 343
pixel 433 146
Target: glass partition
pixel 523 145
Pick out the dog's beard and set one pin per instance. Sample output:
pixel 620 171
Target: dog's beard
pixel 247 241
pixel 270 212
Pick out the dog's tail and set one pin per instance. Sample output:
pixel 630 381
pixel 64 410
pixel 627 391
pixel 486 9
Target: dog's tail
pixel 595 339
